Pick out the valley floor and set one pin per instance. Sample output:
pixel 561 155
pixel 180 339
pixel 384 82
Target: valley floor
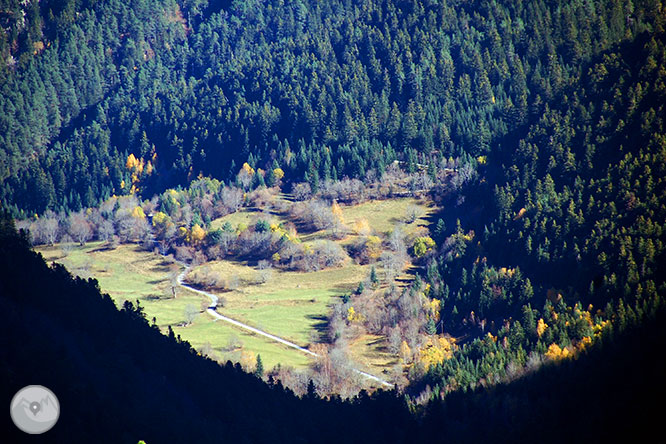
pixel 292 305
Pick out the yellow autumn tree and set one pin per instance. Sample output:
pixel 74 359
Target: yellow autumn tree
pixel 137 213
pixel 248 169
pixel 161 222
pixel 435 352
pixel 161 219
pixel 556 353
pixel 132 163
pixel 598 328
pixel 135 167
pixel 248 361
pixel 422 245
pixel 196 235
pixel 583 343
pixel 278 173
pixel 541 327
pixel 337 212
pixel 361 227
pixel 405 352
pixel 373 247
pixel 354 316
pixel 432 309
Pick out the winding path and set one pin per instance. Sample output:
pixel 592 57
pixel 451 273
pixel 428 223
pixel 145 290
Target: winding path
pixel 212 310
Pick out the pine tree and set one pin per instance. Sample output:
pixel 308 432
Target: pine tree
pixel 259 369
pixel 373 276
pixel 312 391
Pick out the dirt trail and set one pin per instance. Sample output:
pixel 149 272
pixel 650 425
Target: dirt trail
pixel 212 310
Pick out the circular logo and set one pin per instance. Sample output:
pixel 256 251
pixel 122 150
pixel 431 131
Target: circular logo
pixel 34 409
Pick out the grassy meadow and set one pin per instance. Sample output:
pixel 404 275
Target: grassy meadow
pixel 129 273
pixel 290 304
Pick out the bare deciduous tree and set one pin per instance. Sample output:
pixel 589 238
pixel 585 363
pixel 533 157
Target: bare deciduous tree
pixel 316 213
pixel 244 178
pixel 264 275
pixel 413 212
pixel 465 174
pixel 191 313
pixel 394 340
pixel 301 191
pixel 106 230
pixel 46 229
pixel 79 228
pixel 232 198
pixel 66 243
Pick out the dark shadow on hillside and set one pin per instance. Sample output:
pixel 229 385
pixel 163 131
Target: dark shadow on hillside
pixel 411 272
pixel 164 267
pixel 303 227
pixel 105 247
pixel 261 210
pixel 346 288
pixel 321 326
pixel 380 344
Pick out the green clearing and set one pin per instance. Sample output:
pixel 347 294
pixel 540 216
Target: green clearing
pixel 384 215
pixel 227 343
pixel 290 304
pixel 130 273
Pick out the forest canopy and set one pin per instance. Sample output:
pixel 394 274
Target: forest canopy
pixel 546 116
pixel 321 90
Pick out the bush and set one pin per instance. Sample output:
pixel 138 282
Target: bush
pixel 262 226
pixel 366 249
pixel 422 245
pixel 301 191
pixel 322 254
pixel 413 213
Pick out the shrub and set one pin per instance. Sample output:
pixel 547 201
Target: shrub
pixel 422 245
pixel 301 191
pixel 262 226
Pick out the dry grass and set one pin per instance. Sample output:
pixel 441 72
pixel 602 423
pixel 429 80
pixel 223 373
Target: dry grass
pixel 370 352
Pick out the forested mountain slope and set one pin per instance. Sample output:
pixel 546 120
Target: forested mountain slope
pixel 574 238
pixel 119 380
pixel 320 89
pixel 541 124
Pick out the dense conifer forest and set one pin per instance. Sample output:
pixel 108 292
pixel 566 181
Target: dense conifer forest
pixel 324 90
pixel 536 126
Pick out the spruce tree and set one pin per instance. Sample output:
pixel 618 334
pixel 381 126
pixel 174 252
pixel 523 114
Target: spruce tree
pixel 259 370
